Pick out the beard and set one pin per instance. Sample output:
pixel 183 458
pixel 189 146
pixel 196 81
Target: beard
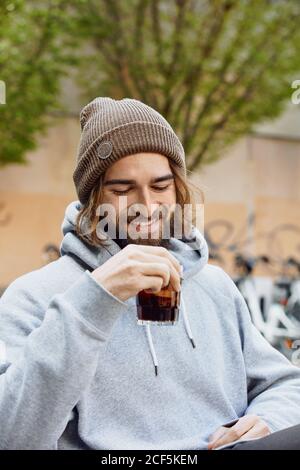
pixel 122 242
pixel 162 239
pixel 161 236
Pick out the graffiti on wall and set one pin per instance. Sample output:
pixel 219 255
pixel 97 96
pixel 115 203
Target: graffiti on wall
pixel 5 216
pixel 278 244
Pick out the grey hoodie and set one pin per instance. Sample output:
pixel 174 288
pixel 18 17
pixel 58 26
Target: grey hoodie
pixel 78 372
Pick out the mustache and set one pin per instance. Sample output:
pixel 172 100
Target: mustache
pixel 160 213
pixel 144 219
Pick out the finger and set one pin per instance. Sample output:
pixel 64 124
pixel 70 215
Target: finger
pixel 259 430
pixel 155 269
pixel 174 276
pixel 217 434
pixel 160 251
pixel 153 283
pixel 243 425
pixel 220 437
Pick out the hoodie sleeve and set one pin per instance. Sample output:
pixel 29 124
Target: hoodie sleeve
pixel 47 361
pixel 273 381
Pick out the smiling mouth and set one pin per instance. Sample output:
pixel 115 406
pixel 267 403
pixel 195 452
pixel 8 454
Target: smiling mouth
pixel 145 224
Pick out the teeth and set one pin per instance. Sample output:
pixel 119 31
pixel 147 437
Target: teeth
pixel 144 224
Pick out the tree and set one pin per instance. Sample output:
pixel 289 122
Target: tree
pixel 35 45
pixel 212 68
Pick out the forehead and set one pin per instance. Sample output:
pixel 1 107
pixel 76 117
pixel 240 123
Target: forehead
pixel 139 166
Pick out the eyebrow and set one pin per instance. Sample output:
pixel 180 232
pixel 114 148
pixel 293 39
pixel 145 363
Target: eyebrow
pixel 153 180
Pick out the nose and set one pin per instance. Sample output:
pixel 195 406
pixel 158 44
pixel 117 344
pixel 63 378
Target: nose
pixel 148 202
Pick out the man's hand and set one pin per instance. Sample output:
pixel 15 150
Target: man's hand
pixel 139 267
pixel 247 427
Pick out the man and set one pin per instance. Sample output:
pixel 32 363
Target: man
pixel 78 372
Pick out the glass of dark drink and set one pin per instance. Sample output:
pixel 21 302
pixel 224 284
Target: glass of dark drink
pixel 161 308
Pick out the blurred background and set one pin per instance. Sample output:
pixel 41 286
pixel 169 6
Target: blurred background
pixel 222 72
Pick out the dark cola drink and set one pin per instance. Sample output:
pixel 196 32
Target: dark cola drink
pixel 161 308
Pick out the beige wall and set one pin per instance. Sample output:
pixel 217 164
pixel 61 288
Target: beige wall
pixel 50 167
pixel 35 220
pixel 34 198
pixel 258 176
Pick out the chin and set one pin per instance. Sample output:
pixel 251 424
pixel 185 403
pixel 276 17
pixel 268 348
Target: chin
pixel 165 242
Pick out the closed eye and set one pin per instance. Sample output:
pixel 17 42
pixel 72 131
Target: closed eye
pixel 160 188
pixel 119 193
pixel 125 191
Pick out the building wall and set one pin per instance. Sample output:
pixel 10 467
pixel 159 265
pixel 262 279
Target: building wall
pixel 33 199
pixel 252 199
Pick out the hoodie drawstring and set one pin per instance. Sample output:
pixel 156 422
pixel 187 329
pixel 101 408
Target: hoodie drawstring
pixel 187 328
pixel 152 349
pixel 186 322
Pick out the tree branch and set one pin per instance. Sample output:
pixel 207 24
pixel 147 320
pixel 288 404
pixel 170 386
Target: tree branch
pixel 234 104
pixel 157 33
pixel 213 37
pixel 215 92
pixel 120 44
pixel 177 41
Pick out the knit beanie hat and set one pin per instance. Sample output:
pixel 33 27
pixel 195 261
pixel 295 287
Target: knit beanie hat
pixel 112 129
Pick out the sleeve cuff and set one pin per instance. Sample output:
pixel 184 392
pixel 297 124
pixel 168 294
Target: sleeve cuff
pixel 94 303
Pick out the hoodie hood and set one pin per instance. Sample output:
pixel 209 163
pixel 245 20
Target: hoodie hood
pixel 192 254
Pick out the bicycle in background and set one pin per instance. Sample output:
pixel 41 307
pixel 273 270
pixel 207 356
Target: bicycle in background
pixel 274 305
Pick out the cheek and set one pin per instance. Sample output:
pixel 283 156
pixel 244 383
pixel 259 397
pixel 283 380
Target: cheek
pixel 110 201
pixel 169 196
pixel 110 198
